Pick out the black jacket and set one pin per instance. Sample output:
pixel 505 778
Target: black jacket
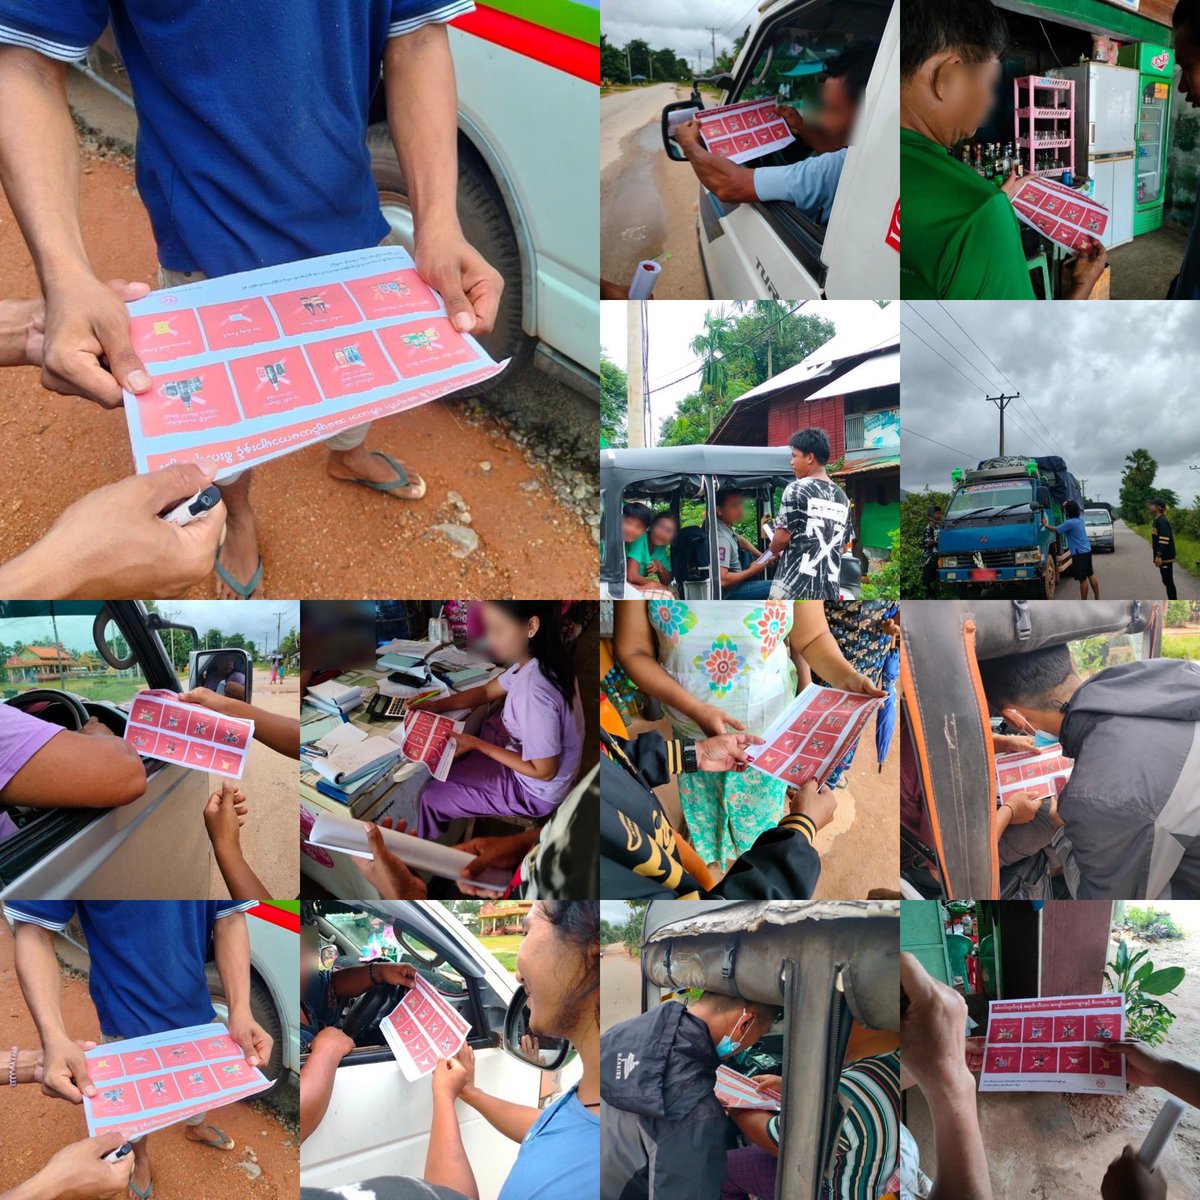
pixel 638 853
pixel 663 1132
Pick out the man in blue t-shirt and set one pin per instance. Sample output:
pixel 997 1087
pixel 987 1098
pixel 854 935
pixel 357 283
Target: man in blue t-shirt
pixel 252 122
pixel 146 975
pixel 1079 544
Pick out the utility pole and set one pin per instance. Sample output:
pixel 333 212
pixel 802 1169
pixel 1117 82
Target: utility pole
pixel 1083 487
pixel 634 382
pixel 700 61
pixel 629 64
pixel 713 32
pixel 278 617
pixel 1002 402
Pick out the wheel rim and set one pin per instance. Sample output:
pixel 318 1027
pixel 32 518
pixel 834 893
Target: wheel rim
pixel 397 212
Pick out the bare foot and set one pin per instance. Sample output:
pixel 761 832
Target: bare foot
pixel 141 1173
pixel 239 556
pixel 361 463
pixel 209 1135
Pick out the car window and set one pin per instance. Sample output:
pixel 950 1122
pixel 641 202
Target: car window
pixel 57 650
pixel 1095 654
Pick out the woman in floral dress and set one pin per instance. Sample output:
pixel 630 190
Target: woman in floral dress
pixel 724 665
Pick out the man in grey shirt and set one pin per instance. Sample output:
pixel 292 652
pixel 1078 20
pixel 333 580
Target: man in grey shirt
pixel 736 583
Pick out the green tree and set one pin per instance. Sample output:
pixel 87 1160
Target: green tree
pixel 1137 487
pixel 908 553
pixel 612 63
pixel 637 52
pixel 211 640
pixel 614 406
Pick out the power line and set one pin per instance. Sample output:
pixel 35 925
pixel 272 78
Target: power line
pixel 974 386
pixel 911 308
pixel 909 429
pixel 978 347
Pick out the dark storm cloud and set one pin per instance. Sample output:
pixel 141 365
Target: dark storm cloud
pixel 1102 378
pixel 681 25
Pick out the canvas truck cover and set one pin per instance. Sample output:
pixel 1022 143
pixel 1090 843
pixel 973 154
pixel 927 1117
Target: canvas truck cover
pixel 1052 471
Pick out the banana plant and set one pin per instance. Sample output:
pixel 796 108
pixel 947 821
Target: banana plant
pixel 1140 981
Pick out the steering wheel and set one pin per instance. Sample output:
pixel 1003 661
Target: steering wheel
pixel 59 708
pixel 369 1009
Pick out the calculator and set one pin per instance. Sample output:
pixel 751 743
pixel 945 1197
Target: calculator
pixel 387 706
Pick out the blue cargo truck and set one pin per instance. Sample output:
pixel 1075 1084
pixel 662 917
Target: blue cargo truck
pixel 992 534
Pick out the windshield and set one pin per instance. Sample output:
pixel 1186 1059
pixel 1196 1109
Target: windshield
pixel 375 937
pixel 977 496
pixel 46 647
pixel 1097 518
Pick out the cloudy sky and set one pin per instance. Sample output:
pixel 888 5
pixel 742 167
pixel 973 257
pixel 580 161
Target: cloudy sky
pixel 674 369
pixel 680 24
pixel 1097 380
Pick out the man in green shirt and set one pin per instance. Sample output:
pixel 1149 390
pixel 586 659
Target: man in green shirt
pixel 961 237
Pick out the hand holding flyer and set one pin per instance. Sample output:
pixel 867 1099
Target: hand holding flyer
pixel 734 1090
pixel 812 735
pixel 1043 771
pixel 148 1083
pixel 251 366
pixel 744 131
pixel 1061 214
pixel 160 727
pixel 423 1029
pixel 1054 1044
pixel 429 738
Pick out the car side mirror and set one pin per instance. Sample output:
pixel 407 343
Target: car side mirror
pixel 535 1049
pixel 226 672
pixel 676 113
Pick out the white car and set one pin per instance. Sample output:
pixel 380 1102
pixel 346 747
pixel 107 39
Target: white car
pixel 154 847
pixel 1099 525
pixel 378 1122
pixel 772 250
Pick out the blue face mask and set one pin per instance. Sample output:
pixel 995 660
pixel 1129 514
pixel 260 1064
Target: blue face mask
pixel 1042 738
pixel 727 1046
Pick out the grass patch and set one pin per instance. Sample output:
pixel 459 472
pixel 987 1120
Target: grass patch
pixel 1181 645
pixel 118 690
pixel 505 948
pixel 1187 550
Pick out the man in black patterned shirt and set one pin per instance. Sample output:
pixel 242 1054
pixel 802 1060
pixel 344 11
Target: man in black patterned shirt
pixel 811 527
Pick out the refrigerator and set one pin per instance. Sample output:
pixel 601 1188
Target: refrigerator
pixel 1106 139
pixel 1155 66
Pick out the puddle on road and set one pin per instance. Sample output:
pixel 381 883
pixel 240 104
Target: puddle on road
pixel 633 218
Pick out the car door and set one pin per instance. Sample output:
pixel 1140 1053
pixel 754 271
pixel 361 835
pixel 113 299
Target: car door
pixel 378 1122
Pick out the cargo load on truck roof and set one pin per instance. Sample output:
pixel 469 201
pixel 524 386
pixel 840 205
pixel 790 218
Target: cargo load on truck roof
pixel 1052 471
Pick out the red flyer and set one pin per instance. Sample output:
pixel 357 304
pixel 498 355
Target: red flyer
pixel 1045 772
pixel 148 1083
pixel 423 1029
pixel 744 131
pixel 428 738
pixel 1054 1044
pixel 1060 213
pixel 813 734
pixel 160 727
pixel 736 1091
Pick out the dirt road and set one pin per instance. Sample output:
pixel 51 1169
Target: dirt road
pixel 620 986
pixel 270 784
pixel 647 202
pixel 263 1166
pixel 1129 572
pixel 318 537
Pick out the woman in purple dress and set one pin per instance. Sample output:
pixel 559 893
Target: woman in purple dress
pixel 525 761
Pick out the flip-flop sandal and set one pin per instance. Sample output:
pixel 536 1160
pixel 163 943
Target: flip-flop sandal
pixel 225 1143
pixel 401 481
pixel 245 590
pixel 148 1194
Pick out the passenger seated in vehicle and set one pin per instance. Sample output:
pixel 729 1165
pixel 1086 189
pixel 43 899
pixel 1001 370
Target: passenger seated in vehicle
pixel 648 560
pixel 636 520
pixel 525 762
pixel 811 184
pixel 559 1159
pixel 43 765
pixel 869 1093
pixel 224 676
pixel 737 582
pixel 323 995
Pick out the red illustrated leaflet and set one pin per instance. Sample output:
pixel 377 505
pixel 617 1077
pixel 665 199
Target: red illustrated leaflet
pixel 736 1091
pixel 147 1083
pixel 1054 1044
pixel 1044 772
pixel 744 131
pixel 160 727
pixel 1059 213
pixel 812 735
pixel 423 1029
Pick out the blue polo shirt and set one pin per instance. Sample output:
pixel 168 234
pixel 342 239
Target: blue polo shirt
pixel 147 957
pixel 1076 533
pixel 252 115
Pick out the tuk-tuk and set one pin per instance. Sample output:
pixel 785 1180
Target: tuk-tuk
pixel 826 963
pixel 673 475
pixel 949 728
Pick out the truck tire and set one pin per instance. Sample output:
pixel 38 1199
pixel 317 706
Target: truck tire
pixel 1049 578
pixel 485 225
pixel 262 1009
